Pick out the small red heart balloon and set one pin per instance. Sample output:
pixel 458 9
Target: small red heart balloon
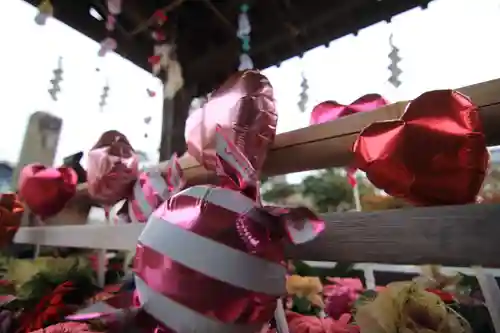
pixel 435 154
pixel 46 190
pixel 331 110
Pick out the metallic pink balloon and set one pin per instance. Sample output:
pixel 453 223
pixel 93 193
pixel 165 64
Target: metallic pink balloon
pixel 112 169
pixel 244 104
pixel 152 188
pixel 331 110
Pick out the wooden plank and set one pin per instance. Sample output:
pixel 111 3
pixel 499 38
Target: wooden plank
pixel 329 145
pixel 450 235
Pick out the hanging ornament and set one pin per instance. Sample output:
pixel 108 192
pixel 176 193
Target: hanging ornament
pixel 45 10
pixel 104 96
pixel 58 72
pixel 174 80
pixel 160 57
pixel 114 7
pixel 243 33
pixel 147 120
pixel 303 94
pixel 160 17
pixel 109 44
pixel 393 67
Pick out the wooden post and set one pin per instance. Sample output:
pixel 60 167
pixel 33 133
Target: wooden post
pixel 40 142
pixel 175 113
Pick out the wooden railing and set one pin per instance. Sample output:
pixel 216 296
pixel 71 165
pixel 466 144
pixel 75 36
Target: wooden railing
pixel 452 235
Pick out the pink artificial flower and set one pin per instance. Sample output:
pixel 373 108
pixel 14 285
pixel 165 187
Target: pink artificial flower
pixel 67 327
pixel 341 295
pixel 311 324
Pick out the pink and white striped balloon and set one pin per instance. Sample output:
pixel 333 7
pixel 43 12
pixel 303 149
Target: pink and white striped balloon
pixel 154 187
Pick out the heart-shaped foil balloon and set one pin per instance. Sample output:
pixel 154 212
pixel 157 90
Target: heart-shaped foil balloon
pixel 331 110
pixel 435 154
pixel 113 167
pixel 11 213
pixel 245 105
pixel 46 190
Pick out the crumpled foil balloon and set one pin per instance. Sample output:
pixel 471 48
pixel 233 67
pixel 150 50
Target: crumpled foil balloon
pixel 420 157
pixel 154 187
pixel 46 190
pixel 332 110
pixel 210 258
pixel 11 213
pixel 231 277
pixel 112 168
pixel 244 104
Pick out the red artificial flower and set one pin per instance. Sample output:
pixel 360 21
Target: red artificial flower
pixel 155 59
pixel 160 16
pixel 445 296
pixel 51 308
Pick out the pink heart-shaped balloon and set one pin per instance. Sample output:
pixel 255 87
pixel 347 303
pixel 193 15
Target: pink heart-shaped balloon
pixel 46 190
pixel 331 110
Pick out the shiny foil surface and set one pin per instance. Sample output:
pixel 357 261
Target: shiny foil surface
pixel 332 110
pixel 46 190
pixel 152 188
pixel 112 168
pixel 435 154
pixel 245 104
pixel 214 255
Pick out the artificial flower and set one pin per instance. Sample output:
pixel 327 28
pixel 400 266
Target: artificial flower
pixel 405 307
pixel 308 287
pixel 341 295
pixel 433 278
pixel 311 324
pixel 67 327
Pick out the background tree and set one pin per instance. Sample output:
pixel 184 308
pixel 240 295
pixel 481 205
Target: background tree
pixel 328 191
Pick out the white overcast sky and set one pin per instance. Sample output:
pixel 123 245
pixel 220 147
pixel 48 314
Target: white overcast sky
pixel 451 44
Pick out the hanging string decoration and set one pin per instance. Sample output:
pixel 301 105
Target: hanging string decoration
pixel 58 72
pixel 45 10
pixel 243 33
pixel 394 66
pixel 104 96
pixel 109 44
pixel 147 120
pixel 164 59
pixel 303 94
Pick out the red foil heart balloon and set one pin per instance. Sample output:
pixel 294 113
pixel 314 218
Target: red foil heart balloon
pixel 331 110
pixel 46 190
pixel 435 154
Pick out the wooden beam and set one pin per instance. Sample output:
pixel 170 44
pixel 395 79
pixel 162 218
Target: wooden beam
pixel 330 144
pixel 175 113
pixel 338 18
pixel 450 235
